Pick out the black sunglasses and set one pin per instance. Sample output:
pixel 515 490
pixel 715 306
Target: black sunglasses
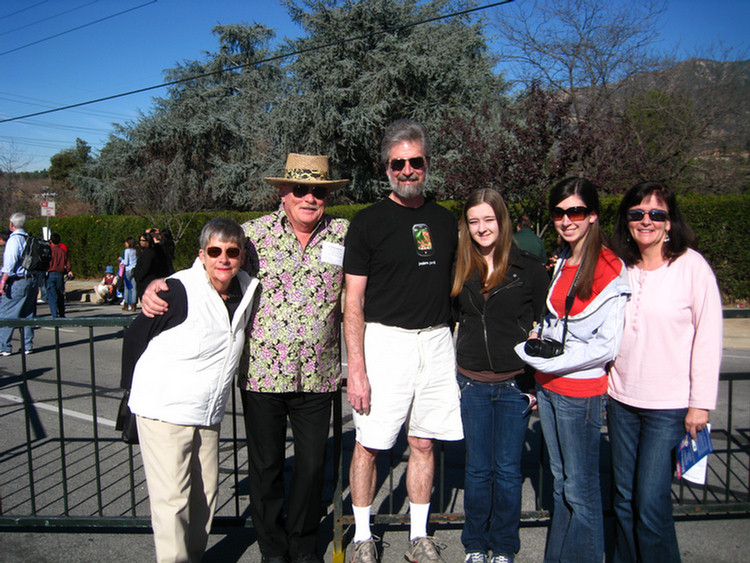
pixel 215 251
pixel 318 192
pixel 573 213
pixel 656 215
pixel 417 163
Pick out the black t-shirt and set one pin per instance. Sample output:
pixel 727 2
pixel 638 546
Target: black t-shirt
pixel 407 255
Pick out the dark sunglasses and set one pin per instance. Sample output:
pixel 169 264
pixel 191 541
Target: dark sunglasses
pixel 573 213
pixel 417 163
pixel 656 215
pixel 215 251
pixel 318 192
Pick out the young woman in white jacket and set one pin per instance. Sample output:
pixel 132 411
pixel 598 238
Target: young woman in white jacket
pixel 570 350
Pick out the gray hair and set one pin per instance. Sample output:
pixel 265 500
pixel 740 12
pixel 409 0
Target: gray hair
pixel 400 131
pixel 225 230
pixel 18 220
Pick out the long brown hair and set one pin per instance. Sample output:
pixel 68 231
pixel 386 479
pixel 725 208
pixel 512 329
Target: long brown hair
pixel 595 238
pixel 468 257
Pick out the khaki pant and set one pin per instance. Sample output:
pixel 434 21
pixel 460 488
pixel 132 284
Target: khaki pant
pixel 182 474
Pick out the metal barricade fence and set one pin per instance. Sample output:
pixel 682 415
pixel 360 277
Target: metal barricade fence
pixel 72 470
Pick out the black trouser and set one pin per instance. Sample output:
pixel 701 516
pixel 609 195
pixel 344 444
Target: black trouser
pixel 265 426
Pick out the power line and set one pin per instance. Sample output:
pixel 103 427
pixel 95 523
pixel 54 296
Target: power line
pixel 39 102
pixel 48 18
pixel 261 61
pixel 22 10
pixel 77 28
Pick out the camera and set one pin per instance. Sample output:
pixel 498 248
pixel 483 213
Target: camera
pixel 545 348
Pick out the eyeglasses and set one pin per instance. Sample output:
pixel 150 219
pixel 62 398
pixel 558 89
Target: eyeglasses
pixel 417 163
pixel 214 251
pixel 573 213
pixel 318 192
pixel 656 215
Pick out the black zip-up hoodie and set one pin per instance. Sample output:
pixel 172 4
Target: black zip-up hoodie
pixel 489 328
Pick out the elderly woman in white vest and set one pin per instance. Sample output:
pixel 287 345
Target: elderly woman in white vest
pixel 182 366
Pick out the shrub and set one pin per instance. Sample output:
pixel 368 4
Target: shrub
pixel 720 223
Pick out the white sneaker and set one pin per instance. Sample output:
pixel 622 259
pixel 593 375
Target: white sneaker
pixel 476 557
pixel 5 353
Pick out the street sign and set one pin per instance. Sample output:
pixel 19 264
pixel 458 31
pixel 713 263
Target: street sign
pixel 48 209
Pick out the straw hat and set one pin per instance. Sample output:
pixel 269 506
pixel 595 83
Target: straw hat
pixel 307 169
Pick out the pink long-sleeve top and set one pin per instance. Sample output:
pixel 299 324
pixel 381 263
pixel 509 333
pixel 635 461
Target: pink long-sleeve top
pixel 670 354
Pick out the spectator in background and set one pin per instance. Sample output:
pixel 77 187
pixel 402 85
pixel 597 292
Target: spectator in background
pixel 17 286
pixel 167 243
pixel 3 239
pixel 59 267
pixel 129 261
pixel 527 239
pixel 152 263
pixel 105 289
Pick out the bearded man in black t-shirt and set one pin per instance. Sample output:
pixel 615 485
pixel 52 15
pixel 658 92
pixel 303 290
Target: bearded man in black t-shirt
pixel 399 254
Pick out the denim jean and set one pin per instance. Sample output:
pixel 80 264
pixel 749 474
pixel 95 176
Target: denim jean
pixel 495 417
pixel 129 295
pixel 56 293
pixel 571 428
pixel 19 302
pixel 643 442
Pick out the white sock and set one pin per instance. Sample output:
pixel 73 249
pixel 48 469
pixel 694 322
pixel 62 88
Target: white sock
pixel 361 523
pixel 418 526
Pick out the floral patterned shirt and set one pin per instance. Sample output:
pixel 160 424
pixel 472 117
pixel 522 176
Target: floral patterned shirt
pixel 294 340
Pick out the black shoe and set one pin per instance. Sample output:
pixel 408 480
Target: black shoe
pixel 273 559
pixel 306 558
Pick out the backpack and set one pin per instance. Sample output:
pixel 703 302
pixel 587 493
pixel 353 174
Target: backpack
pixel 36 254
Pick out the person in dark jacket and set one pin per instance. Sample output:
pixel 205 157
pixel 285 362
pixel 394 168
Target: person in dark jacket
pixel 152 263
pixel 498 292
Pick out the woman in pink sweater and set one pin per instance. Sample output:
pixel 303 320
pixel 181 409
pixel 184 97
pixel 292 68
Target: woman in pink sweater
pixel 665 378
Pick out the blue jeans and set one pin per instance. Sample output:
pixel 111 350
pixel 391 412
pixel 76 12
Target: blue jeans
pixel 643 442
pixel 571 428
pixel 129 294
pixel 19 302
pixel 495 417
pixel 56 294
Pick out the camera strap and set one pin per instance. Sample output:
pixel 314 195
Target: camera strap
pixel 569 299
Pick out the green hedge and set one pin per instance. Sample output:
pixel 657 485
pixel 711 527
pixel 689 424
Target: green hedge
pixel 720 222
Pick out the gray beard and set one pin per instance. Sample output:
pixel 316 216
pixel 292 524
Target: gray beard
pixel 407 192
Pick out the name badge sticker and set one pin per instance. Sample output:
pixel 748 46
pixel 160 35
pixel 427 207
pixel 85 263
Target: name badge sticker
pixel 332 253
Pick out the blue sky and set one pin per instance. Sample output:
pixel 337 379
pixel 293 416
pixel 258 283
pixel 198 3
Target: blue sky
pixel 55 53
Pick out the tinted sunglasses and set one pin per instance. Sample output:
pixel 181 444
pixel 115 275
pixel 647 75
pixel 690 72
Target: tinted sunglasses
pixel 573 213
pixel 318 192
pixel 656 215
pixel 417 163
pixel 215 251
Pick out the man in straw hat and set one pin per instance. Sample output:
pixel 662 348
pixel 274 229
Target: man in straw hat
pixel 292 367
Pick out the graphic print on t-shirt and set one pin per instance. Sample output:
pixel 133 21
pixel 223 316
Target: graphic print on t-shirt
pixel 422 239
